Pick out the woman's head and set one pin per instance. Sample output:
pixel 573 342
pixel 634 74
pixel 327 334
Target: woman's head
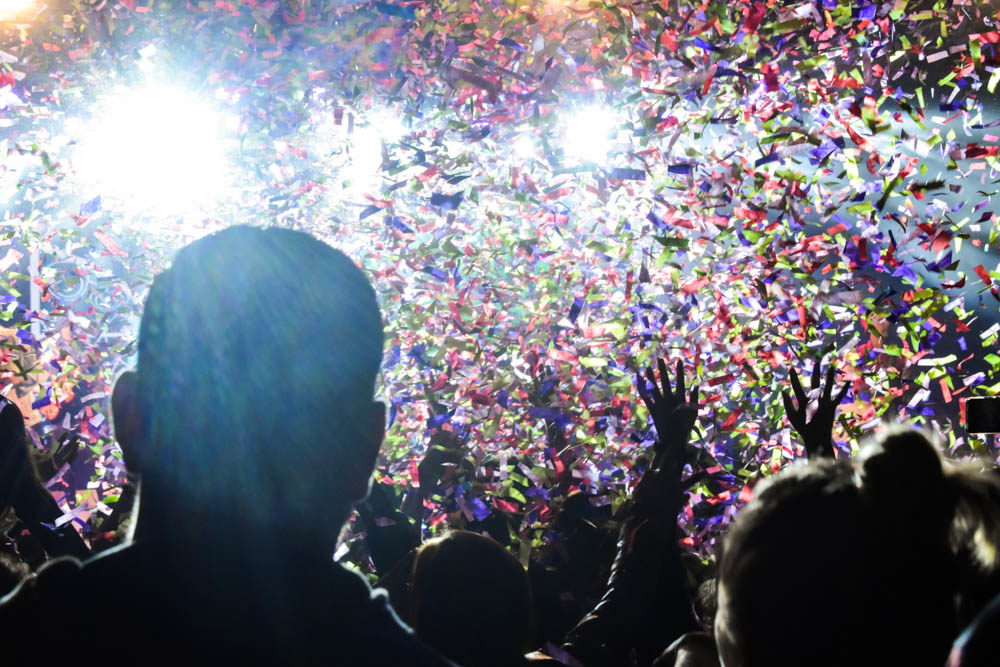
pixel 840 562
pixel 471 600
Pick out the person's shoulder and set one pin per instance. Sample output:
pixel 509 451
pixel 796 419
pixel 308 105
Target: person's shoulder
pixel 59 574
pixel 26 612
pixel 379 634
pixel 62 581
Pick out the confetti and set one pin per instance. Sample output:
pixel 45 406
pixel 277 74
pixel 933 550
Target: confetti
pixel 775 184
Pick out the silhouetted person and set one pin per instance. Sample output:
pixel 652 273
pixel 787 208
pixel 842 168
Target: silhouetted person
pixel 254 431
pixel 22 491
pixel 471 600
pixel 858 562
pixel 645 607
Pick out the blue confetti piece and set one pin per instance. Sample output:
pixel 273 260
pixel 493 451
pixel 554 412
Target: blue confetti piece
pixel 479 508
pixel 560 419
pixel 699 42
pixel 91 207
pixel 393 358
pixel 399 224
pixel 865 12
pixel 822 152
pixel 44 400
pixel 437 421
pixel 396 10
pixel 447 202
pixel 437 273
pixel 771 157
pixel 511 44
pixel 625 174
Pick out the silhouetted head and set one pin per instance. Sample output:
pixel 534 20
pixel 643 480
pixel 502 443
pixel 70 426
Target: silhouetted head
pixel 16 469
pixel 253 400
pixel 837 563
pixel 471 600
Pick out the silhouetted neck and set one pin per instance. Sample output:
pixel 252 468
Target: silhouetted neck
pixel 210 534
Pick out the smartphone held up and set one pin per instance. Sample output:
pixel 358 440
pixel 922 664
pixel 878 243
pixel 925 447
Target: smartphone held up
pixel 982 415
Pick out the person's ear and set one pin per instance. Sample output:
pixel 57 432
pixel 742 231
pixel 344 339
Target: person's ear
pixel 372 433
pixel 126 412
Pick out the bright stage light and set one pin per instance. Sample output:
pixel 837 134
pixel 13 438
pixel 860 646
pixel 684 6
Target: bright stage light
pixel 12 8
pixel 366 142
pixel 588 134
pixel 366 152
pixel 524 147
pixel 157 146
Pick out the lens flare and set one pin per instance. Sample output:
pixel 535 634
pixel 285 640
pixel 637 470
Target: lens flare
pixel 525 147
pixel 588 134
pixel 156 146
pixel 365 145
pixel 10 9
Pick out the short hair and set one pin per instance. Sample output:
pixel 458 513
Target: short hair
pixel 256 348
pixel 833 563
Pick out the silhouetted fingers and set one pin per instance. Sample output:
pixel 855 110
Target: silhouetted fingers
pixel 694 395
pixel 814 378
pixel 655 391
pixel 843 393
pixel 828 385
pixel 661 363
pixel 640 385
pixel 789 407
pixel 800 395
pixel 659 456
pixel 680 380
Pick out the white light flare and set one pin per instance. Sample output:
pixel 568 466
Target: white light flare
pixel 367 140
pixel 156 147
pixel 524 147
pixel 12 9
pixel 589 134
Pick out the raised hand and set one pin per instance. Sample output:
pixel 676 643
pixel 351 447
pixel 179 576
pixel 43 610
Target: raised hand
pixel 816 433
pixel 674 413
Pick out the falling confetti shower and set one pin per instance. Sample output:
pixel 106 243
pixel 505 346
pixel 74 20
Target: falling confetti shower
pixel 547 196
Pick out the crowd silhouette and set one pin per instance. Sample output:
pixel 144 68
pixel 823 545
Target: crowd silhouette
pixel 228 524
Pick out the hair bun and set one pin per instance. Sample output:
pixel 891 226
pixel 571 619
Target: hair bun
pixel 904 461
pixel 903 473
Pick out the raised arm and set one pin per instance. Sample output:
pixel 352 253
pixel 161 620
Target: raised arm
pixel 646 607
